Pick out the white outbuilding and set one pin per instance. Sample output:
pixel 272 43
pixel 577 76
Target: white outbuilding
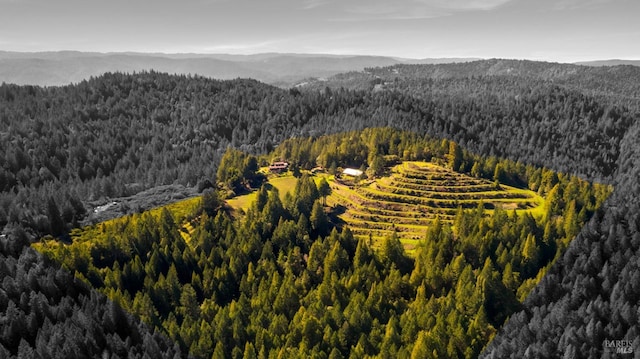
pixel 352 172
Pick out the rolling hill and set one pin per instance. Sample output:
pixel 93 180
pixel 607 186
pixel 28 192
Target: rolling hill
pixel 65 67
pixel 617 84
pixel 612 62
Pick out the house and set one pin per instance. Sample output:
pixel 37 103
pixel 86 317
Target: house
pixel 352 172
pixel 279 167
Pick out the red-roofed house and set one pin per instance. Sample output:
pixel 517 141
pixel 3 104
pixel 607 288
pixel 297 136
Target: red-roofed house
pixel 279 167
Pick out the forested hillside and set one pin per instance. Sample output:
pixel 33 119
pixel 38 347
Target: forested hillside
pixel 47 313
pixel 576 306
pixel 119 134
pixel 591 294
pixel 618 84
pixel 281 280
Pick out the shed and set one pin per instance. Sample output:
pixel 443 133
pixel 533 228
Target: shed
pixel 352 172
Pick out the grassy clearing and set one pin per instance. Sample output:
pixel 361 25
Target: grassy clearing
pixel 242 202
pixel 284 183
pixel 409 199
pixel 415 194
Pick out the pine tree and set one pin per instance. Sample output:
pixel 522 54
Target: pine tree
pixel 476 170
pixel 421 348
pixel 319 220
pixel 56 223
pixel 189 306
pixel 454 157
pixel 571 221
pixel 324 190
pixel 249 351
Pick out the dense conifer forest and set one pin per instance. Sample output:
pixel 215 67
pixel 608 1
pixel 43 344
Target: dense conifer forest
pixel 118 134
pixel 281 280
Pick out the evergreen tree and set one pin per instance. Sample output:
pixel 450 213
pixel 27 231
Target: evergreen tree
pixel 324 190
pixel 319 220
pixel 454 156
pixel 55 220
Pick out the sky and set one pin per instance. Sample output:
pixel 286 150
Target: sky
pixel 551 30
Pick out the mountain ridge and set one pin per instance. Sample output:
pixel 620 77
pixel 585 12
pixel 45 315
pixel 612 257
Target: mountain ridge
pixel 57 68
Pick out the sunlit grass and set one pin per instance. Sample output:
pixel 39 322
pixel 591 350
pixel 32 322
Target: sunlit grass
pixel 242 202
pixel 284 183
pixel 406 205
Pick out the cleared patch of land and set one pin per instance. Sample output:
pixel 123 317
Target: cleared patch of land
pixel 409 199
pixel 284 183
pixel 104 210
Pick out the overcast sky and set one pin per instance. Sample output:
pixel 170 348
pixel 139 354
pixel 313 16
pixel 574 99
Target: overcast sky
pixel 555 30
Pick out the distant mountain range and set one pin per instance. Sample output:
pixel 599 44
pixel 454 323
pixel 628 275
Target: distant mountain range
pixel 64 67
pixel 613 62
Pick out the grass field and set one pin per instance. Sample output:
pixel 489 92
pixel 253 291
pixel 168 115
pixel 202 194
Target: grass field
pixel 415 194
pixel 409 199
pixel 284 184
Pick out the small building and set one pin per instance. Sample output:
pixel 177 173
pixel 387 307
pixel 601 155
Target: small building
pixel 352 172
pixel 279 167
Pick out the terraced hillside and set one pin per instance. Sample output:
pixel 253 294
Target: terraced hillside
pixel 415 194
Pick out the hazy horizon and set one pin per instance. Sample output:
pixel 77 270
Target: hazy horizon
pixel 185 55
pixel 547 30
